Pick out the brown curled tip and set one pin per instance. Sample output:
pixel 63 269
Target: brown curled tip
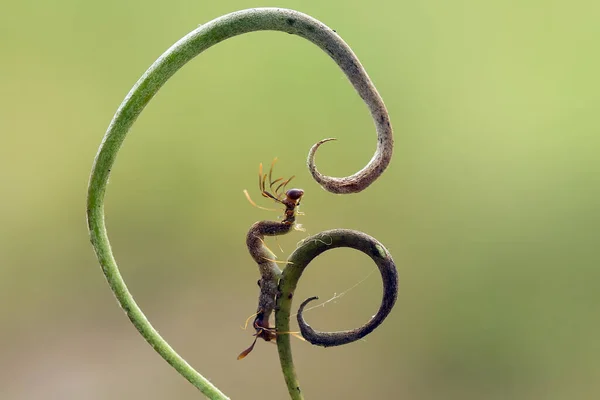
pixel 389 276
pixel 330 339
pixel 359 181
pixel 369 174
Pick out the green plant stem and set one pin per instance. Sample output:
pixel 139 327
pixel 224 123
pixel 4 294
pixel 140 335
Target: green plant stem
pixel 135 314
pixel 309 249
pixel 148 85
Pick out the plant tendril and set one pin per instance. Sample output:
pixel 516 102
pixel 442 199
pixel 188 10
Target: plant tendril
pixel 301 257
pixel 147 86
pixel 264 257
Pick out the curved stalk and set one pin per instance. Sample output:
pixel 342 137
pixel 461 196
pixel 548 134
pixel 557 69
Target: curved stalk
pixel 148 85
pixel 299 260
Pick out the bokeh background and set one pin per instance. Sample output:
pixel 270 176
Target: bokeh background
pixel 490 205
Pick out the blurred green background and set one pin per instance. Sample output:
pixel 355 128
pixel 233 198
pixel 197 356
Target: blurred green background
pixel 490 205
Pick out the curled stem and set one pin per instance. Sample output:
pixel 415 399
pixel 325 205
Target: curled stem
pixel 304 254
pixel 147 86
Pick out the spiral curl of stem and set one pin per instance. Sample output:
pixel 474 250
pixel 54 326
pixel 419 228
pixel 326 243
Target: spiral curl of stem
pixel 156 76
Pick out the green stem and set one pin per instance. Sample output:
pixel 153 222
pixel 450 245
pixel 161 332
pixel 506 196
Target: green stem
pixel 133 311
pixel 299 260
pixel 148 85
